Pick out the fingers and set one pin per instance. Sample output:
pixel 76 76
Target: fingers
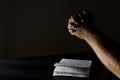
pixel 72 20
pixel 72 31
pixel 71 27
pixel 72 24
pixel 75 21
pixel 78 18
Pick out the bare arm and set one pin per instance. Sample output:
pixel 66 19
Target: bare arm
pixel 106 50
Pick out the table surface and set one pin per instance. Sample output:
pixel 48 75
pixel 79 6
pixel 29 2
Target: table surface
pixel 41 68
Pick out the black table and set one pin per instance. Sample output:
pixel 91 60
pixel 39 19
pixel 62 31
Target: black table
pixel 41 68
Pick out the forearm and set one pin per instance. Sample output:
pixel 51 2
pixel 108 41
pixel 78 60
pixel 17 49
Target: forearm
pixel 82 26
pixel 103 49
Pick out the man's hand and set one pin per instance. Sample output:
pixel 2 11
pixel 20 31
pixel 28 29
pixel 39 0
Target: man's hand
pixel 81 24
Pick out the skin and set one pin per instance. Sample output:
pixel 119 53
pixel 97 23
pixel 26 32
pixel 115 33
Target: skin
pixel 106 49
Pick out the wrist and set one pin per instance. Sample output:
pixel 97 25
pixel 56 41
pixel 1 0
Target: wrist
pixel 90 34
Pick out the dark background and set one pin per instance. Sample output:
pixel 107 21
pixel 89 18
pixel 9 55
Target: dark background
pixel 39 27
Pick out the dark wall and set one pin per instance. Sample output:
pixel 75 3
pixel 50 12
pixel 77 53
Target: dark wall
pixel 38 27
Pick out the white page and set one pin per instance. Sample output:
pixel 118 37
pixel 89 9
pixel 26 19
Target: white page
pixel 73 70
pixel 69 74
pixel 78 63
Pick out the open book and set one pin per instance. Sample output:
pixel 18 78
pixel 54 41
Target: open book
pixel 72 67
